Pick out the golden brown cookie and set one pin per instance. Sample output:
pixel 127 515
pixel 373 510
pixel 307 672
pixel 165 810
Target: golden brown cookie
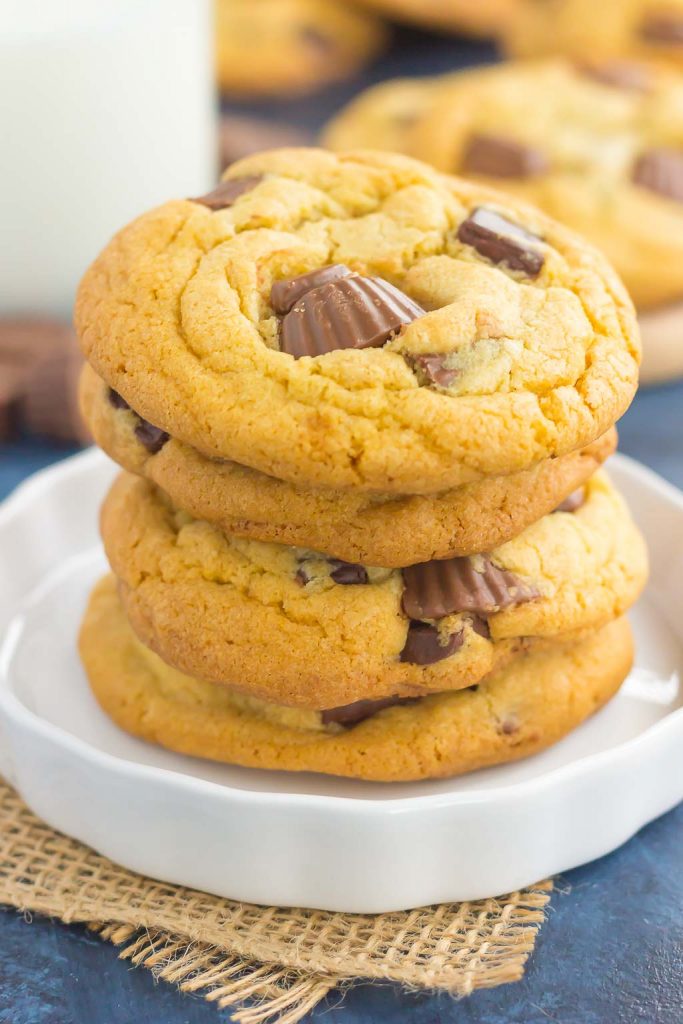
pixel 610 29
pixel 515 712
pixel 354 526
pixel 461 334
pixel 289 47
pixel 294 627
pixel 383 116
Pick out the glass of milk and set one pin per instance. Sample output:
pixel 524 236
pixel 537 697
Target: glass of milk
pixel 107 109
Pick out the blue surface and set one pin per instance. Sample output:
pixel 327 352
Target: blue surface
pixel 611 951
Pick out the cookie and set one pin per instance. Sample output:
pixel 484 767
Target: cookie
pixel 349 525
pixel 290 47
pixel 383 116
pixel 516 712
pixel 361 321
pixel 612 29
pixel 480 18
pixel 295 627
pixel 603 152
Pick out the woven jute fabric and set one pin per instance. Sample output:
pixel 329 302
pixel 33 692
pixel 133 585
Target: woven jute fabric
pixel 266 963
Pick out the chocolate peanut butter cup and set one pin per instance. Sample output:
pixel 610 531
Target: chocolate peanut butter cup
pixel 475 584
pixel 346 311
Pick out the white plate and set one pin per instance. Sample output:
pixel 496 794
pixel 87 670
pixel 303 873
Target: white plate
pixel 307 840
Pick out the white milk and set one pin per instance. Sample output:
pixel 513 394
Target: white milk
pixel 106 108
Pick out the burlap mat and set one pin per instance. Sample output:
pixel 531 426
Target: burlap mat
pixel 268 964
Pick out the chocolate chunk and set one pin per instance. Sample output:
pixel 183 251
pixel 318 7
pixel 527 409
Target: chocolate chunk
pixel 662 27
pixel 12 389
pixel 423 645
pixel 573 501
pixel 433 368
pixel 500 157
pixel 480 627
pixel 438 588
pixel 509 726
pixel 347 573
pixel 285 294
pixel 228 192
pixel 352 312
pixel 620 73
pixel 317 40
pixel 661 171
pixel 49 405
pixel 352 714
pixel 117 400
pixel 501 241
pixel 153 438
pixel 40 363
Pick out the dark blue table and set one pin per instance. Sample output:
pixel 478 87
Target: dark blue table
pixel 611 951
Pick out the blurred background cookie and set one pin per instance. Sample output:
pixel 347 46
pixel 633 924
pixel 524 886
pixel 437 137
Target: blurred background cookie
pixel 648 29
pixel 599 146
pixel 290 47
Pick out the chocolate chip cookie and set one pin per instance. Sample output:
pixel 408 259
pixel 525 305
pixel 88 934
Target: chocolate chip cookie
pixel 296 627
pixel 610 30
pixel 517 711
pixel 603 151
pixel 361 321
pixel 388 530
pixel 289 47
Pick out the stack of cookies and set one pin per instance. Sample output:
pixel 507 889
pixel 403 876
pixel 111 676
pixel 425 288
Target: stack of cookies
pixel 362 527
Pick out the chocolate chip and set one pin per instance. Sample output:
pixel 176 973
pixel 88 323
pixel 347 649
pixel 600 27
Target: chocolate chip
pixel 619 73
pixel 352 714
pixel 509 726
pixel 438 588
pixel 153 438
pixel 228 192
pixel 501 241
pixel 285 294
pixel 302 577
pixel 501 157
pixel 662 27
pixel 347 573
pixel 318 40
pixel 480 626
pixel 423 644
pixel 433 368
pixel 661 171
pixel 117 400
pixel 352 312
pixel 575 500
